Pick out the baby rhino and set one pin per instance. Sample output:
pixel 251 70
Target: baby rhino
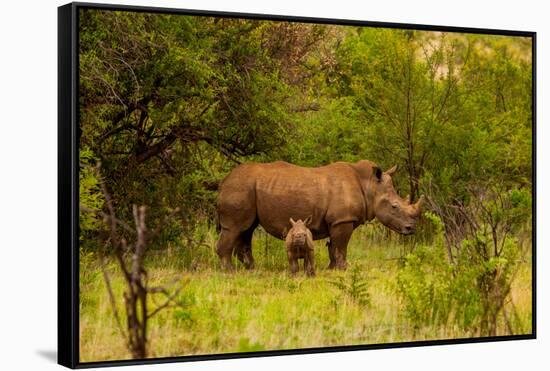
pixel 299 245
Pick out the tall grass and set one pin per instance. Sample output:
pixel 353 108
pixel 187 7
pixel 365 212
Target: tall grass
pixel 266 309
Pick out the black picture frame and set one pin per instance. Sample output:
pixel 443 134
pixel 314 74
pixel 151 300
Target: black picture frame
pixel 68 184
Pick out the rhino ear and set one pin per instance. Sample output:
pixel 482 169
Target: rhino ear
pixel 307 222
pixel 377 172
pixel 292 222
pixel 392 170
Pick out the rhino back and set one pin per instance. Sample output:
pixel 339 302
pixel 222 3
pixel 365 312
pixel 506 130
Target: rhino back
pixel 271 193
pixel 330 194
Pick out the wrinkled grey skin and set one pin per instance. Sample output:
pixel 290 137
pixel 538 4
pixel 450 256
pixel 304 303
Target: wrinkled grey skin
pixel 339 197
pixel 299 245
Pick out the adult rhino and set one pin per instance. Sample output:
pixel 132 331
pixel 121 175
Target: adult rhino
pixel 339 197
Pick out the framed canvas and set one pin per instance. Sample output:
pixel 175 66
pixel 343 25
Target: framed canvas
pixel 242 185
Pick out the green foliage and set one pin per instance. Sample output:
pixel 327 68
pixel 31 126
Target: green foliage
pixel 435 292
pixel 332 134
pixel 471 291
pixel 169 103
pixel 89 194
pixel 424 283
pixel 353 286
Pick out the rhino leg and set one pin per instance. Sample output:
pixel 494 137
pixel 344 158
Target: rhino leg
pixel 331 255
pixel 243 249
pixel 294 267
pixel 339 238
pixel 309 264
pixel 237 219
pixel 227 242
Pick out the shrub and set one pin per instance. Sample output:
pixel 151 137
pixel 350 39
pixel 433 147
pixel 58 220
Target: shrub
pixel 469 292
pixel 353 286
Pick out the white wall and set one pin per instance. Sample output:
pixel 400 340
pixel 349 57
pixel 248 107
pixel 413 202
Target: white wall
pixel 28 152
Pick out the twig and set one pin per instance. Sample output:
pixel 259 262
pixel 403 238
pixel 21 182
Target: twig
pixel 169 300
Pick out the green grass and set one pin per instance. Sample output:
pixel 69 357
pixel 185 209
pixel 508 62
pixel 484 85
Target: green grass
pixel 265 309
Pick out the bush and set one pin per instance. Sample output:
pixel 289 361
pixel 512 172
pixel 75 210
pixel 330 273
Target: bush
pixel 424 283
pixel 470 292
pixel 353 286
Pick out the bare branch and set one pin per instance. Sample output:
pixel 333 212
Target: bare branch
pixel 169 301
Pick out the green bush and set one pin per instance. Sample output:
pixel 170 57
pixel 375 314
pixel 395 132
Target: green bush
pixel 354 286
pixel 469 293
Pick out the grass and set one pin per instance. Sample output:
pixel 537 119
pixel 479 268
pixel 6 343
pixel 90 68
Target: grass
pixel 266 309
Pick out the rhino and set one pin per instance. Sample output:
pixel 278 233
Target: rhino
pixel 299 245
pixel 339 197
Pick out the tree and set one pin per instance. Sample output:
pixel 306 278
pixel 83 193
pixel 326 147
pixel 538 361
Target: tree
pixel 163 96
pixel 406 84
